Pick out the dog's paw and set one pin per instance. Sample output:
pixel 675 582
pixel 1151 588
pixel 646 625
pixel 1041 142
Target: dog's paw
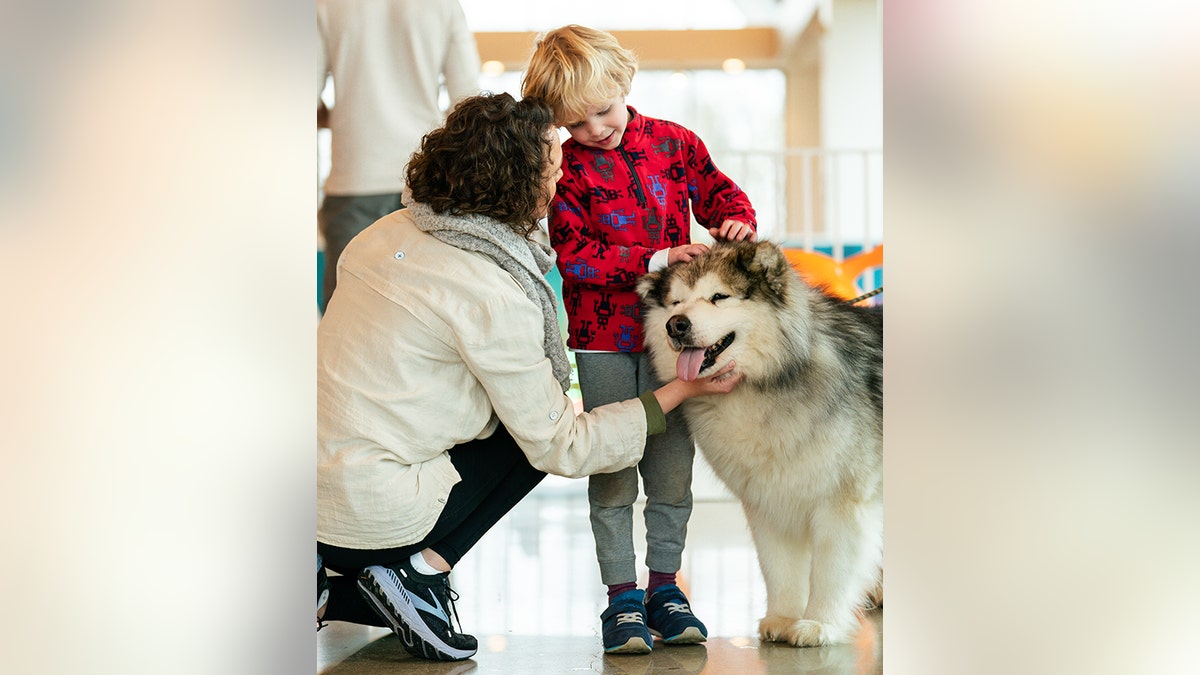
pixel 775 628
pixel 799 632
pixel 806 633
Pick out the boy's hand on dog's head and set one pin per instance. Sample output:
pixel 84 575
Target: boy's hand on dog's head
pixel 685 253
pixel 734 230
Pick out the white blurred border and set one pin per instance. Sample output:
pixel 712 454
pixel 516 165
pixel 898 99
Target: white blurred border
pixel 158 346
pixel 1041 215
pixel 157 253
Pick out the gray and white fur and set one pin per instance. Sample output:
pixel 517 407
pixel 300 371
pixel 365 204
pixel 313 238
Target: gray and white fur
pixel 800 440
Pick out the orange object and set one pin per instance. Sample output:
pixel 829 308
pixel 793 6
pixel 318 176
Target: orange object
pixel 819 269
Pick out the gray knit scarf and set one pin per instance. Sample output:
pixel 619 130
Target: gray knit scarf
pixel 527 261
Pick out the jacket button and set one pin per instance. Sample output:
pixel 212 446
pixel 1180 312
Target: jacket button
pixel 553 414
pixel 399 255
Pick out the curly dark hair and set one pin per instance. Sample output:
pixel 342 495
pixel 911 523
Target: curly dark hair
pixel 489 158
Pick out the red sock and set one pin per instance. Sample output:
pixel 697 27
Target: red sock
pixel 659 579
pixel 617 589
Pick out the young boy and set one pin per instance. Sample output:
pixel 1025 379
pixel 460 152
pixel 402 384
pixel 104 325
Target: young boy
pixel 621 211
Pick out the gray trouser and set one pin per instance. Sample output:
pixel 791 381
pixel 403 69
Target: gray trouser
pixel 666 470
pixel 340 218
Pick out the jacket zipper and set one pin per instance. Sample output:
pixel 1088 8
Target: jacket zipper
pixel 637 180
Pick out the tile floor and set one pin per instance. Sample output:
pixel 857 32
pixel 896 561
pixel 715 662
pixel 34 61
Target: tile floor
pixel 531 593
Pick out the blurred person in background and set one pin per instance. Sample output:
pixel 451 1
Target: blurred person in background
pixel 388 60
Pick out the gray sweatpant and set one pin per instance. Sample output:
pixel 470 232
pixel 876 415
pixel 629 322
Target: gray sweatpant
pixel 340 218
pixel 666 470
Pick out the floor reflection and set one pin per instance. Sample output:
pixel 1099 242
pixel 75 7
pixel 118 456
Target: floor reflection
pixel 530 591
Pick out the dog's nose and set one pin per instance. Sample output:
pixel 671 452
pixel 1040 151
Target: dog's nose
pixel 678 325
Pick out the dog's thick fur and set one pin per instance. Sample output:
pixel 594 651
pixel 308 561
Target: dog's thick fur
pixel 800 440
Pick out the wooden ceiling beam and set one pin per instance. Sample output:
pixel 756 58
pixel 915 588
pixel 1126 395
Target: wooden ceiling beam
pixel 655 49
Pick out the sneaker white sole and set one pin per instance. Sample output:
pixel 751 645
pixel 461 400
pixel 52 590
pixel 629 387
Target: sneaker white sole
pixel 635 645
pixel 407 624
pixel 690 636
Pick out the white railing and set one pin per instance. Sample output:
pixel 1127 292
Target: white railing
pixel 812 197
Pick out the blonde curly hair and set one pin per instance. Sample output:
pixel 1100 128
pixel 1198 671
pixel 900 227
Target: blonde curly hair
pixel 573 67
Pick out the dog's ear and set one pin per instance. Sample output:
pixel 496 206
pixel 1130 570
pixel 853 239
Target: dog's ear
pixel 766 262
pixel 767 268
pixel 650 287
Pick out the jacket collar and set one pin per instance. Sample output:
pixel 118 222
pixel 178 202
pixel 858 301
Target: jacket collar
pixel 634 129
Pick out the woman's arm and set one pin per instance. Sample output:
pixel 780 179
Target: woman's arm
pixel 502 348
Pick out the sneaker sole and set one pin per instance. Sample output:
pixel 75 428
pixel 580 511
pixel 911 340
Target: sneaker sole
pixel 690 636
pixel 635 645
pixel 414 635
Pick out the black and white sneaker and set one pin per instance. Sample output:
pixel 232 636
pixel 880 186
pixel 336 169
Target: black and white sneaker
pixel 323 587
pixel 418 609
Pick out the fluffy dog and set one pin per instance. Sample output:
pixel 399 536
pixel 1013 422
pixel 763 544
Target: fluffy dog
pixel 800 440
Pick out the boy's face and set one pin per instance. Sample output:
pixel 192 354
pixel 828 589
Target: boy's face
pixel 602 126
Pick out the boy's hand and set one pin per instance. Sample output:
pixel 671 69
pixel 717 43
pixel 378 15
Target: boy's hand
pixel 685 253
pixel 733 230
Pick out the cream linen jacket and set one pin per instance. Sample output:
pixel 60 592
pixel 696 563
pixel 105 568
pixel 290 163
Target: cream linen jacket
pixel 425 346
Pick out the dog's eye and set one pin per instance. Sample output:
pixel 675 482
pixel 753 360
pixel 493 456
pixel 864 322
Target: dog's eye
pixel 717 296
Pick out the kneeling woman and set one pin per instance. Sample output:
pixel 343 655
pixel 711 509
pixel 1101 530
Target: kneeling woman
pixel 442 377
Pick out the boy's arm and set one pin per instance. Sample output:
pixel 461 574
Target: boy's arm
pixel 717 198
pixel 582 257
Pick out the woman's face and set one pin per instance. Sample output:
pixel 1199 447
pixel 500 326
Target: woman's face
pixel 553 171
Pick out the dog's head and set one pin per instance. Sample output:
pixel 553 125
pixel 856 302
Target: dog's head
pixel 699 315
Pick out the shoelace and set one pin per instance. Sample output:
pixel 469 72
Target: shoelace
pixel 677 607
pixel 451 597
pixel 629 617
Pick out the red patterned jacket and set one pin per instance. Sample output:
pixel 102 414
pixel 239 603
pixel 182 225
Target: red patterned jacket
pixel 616 208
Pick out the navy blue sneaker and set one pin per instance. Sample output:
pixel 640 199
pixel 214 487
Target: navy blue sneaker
pixel 624 625
pixel 671 618
pixel 418 608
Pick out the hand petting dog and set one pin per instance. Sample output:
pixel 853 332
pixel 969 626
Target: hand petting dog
pixel 734 230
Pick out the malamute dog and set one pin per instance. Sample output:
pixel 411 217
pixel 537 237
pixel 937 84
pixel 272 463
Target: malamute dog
pixel 800 440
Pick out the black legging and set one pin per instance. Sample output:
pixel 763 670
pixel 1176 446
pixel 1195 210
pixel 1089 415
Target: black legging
pixel 495 476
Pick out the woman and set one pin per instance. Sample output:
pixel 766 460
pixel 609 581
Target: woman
pixel 441 376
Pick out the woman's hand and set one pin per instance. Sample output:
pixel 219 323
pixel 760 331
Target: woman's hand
pixel 671 394
pixel 721 382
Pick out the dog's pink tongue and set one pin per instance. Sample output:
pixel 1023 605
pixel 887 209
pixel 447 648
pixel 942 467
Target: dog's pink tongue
pixel 687 367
